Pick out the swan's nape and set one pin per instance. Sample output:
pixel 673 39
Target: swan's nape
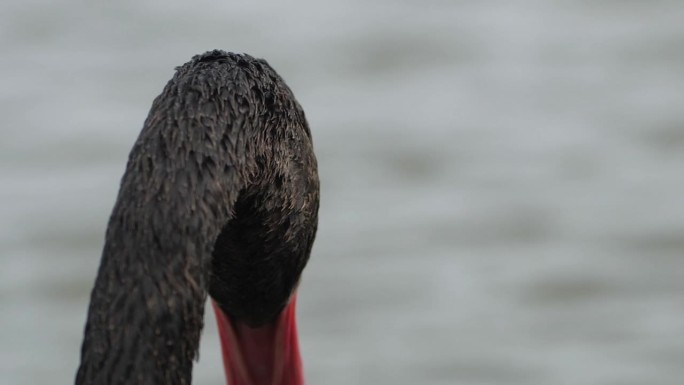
pixel 220 197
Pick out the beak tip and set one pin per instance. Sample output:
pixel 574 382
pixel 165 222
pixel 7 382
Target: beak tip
pixel 266 355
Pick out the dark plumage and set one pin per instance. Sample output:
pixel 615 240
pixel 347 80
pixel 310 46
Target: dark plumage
pixel 220 195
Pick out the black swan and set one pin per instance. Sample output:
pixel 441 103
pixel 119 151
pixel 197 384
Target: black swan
pixel 220 196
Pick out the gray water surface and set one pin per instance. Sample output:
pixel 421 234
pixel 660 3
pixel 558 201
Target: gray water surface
pixel 502 181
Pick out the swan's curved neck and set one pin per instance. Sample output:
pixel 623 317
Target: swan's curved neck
pixel 146 311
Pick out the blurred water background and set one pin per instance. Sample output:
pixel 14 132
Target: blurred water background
pixel 502 180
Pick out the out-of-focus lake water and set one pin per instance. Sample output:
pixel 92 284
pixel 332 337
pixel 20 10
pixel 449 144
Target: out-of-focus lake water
pixel 502 182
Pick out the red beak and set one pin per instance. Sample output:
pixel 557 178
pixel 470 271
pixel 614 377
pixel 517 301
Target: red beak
pixel 266 355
